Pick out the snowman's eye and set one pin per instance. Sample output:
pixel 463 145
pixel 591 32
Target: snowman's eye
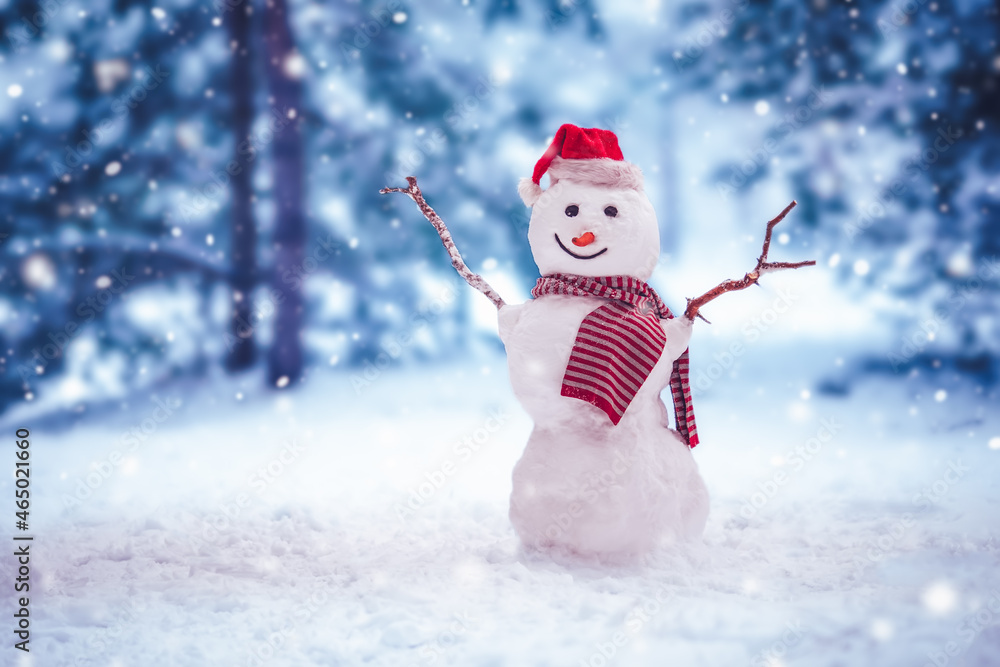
pixel 572 210
pixel 610 211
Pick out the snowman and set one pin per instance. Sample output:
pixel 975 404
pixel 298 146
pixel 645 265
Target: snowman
pixel 603 473
pixel 589 355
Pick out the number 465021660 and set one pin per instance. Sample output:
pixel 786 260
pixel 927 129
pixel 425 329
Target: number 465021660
pixel 22 471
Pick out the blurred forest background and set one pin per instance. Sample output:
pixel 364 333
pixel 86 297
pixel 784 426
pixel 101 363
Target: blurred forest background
pixel 190 188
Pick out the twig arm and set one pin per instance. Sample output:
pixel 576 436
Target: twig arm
pixel 750 278
pixel 474 279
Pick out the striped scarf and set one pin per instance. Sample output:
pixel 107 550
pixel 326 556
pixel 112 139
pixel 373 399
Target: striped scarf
pixel 617 346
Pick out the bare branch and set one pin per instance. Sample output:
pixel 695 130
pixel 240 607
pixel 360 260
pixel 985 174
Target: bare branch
pixel 474 279
pixel 751 278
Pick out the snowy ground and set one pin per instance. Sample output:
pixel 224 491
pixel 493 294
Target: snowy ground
pixel 871 552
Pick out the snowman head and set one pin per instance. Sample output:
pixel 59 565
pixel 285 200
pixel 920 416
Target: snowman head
pixel 594 219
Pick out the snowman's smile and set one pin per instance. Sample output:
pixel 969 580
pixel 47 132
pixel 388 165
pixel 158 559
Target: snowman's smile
pixel 570 252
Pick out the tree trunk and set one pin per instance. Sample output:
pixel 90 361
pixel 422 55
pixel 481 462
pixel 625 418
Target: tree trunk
pixel 285 357
pixel 240 342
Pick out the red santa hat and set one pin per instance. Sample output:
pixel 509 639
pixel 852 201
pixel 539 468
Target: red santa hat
pixel 588 155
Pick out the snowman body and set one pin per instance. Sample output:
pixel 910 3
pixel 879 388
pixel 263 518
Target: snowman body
pixel 583 483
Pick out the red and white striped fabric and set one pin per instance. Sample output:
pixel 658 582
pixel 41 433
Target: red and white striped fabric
pixel 617 346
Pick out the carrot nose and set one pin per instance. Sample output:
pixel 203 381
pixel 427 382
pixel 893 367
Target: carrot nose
pixel 586 239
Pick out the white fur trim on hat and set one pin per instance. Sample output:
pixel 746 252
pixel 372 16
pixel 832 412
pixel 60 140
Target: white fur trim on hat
pixel 597 171
pixel 529 191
